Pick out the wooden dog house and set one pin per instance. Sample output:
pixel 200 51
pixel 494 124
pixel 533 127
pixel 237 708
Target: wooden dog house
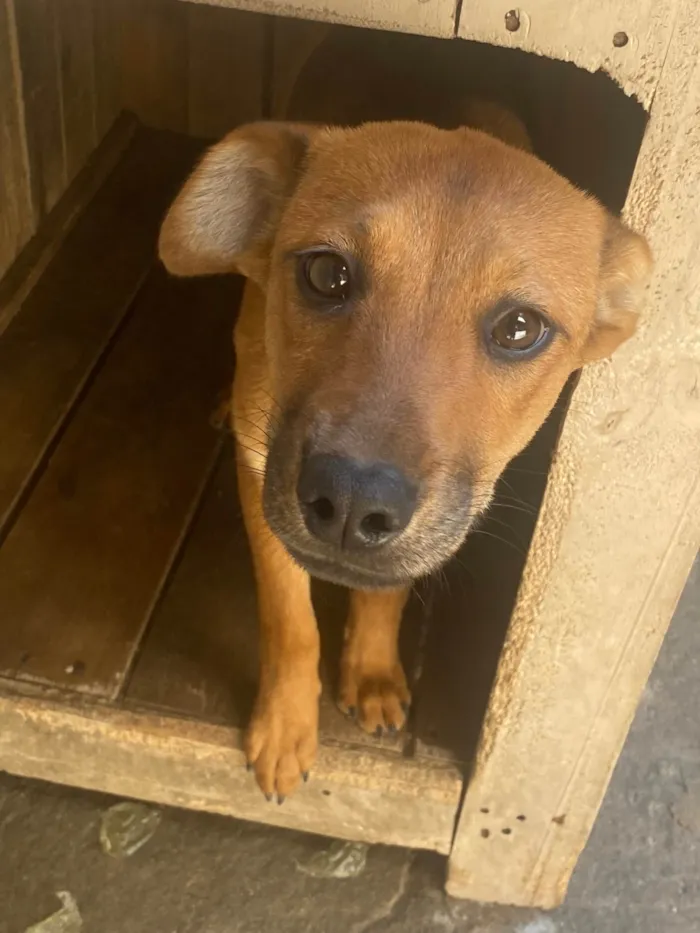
pixel 127 616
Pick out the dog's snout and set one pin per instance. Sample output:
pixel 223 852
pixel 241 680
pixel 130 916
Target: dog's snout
pixel 352 505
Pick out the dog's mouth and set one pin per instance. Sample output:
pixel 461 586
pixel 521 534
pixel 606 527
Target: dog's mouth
pixel 344 573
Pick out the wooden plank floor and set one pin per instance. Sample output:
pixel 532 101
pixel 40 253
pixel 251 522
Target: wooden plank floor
pixel 66 323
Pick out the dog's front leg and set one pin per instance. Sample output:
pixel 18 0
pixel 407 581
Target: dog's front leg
pixel 282 738
pixel 372 681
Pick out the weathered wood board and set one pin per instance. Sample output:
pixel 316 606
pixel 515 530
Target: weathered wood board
pixel 356 794
pixel 82 565
pixel 67 321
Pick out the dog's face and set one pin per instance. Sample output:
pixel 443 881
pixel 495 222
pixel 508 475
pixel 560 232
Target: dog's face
pixel 428 295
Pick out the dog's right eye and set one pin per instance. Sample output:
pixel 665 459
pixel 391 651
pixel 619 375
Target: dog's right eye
pixel 325 277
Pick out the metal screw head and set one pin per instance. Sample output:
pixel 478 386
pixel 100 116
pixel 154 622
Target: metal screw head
pixel 620 40
pixel 512 20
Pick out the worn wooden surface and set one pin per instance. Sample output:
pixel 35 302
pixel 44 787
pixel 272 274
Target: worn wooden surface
pixel 78 83
pixel 50 349
pixel 153 57
pixel 17 216
pixel 192 69
pixel 38 54
pixel 293 42
pixel 584 32
pixel 227 64
pixel 69 67
pixel 32 261
pixel 84 561
pixel 432 18
pixel 106 23
pixel 57 101
pixel 619 529
pixel 352 794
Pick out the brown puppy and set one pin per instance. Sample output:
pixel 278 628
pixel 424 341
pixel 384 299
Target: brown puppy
pixel 417 299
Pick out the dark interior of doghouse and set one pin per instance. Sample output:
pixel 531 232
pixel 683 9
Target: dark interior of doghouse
pixel 124 570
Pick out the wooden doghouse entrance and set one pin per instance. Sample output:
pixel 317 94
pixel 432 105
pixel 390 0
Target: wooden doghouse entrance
pixel 127 609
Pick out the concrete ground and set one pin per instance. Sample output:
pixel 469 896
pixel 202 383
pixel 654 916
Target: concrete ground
pixel 204 874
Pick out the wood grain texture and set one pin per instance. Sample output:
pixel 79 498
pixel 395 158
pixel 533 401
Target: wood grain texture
pixel 82 566
pixel 226 63
pixel 200 656
pixel 17 214
pixel 38 49
pixel 153 54
pixel 51 347
pixel 293 42
pixel 77 79
pixel 106 39
pixel 357 795
pixel 31 263
pixel 618 531
pixel 582 32
pixel 432 18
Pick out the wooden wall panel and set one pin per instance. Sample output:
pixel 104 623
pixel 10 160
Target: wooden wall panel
pixel 69 67
pixel 227 55
pixel 106 30
pixel 192 69
pixel 422 17
pixel 17 211
pixel 38 46
pixel 55 56
pixel 77 78
pixel 154 62
pixel 294 41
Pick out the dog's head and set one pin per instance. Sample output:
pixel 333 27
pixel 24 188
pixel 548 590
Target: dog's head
pixel 428 293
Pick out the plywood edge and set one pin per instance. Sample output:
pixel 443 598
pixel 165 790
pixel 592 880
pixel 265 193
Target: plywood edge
pixel 628 39
pixel 434 18
pixel 352 794
pixel 618 531
pixel 23 274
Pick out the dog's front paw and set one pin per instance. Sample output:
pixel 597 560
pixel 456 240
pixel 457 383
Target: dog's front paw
pixel 282 737
pixel 378 699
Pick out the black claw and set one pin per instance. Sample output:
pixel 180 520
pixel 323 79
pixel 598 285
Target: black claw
pixel 393 729
pixel 280 799
pixel 352 711
pixel 305 776
pixel 249 765
pixel 378 732
pixel 268 797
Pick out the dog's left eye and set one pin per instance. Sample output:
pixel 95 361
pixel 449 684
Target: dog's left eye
pixel 519 330
pixel 325 276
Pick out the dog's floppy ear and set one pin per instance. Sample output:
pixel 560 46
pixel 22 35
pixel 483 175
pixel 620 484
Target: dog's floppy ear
pixel 626 264
pixel 225 216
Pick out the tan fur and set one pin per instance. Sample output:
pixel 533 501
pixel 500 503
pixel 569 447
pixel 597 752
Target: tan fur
pixel 445 223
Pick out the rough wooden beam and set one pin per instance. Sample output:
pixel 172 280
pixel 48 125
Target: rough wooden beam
pixel 354 793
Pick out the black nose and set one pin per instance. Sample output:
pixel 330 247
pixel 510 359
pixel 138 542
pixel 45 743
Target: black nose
pixel 352 505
